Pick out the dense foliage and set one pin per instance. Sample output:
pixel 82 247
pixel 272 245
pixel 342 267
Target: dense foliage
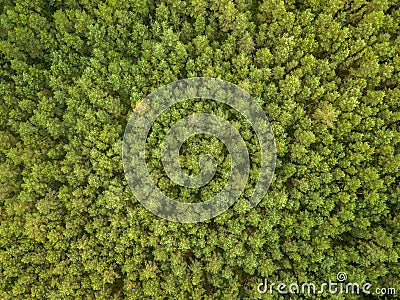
pixel 325 72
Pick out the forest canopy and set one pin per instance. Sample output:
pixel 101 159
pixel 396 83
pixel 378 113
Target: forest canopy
pixel 326 73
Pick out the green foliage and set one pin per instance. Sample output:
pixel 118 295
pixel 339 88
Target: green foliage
pixel 325 72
